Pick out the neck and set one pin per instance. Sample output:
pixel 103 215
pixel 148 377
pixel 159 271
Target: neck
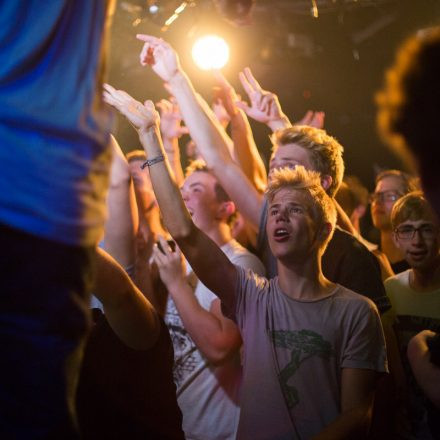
pixel 388 247
pixel 220 234
pixel 303 280
pixel 426 279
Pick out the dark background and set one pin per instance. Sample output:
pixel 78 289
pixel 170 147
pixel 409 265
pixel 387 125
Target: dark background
pixel 333 63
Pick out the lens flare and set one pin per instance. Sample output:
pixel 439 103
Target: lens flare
pixel 210 52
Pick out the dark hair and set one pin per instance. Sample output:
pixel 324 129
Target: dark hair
pixel 409 103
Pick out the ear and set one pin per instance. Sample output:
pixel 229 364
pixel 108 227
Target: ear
pixel 396 240
pixel 326 181
pixel 225 210
pixel 324 232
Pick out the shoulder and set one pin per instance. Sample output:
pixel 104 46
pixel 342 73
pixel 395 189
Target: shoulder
pixel 247 279
pixel 397 282
pixel 346 241
pixel 353 301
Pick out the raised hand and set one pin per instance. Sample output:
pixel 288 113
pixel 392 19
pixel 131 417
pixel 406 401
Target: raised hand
pixel 225 93
pixel 170 119
pixel 142 116
pixel 264 105
pixel 312 119
pixel 160 56
pixel 169 263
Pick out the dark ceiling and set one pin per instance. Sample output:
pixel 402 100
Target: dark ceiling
pixel 334 62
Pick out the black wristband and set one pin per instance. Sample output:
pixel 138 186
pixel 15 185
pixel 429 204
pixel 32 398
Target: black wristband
pixel 150 162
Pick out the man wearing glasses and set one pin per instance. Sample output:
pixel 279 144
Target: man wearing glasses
pixel 415 293
pixel 390 186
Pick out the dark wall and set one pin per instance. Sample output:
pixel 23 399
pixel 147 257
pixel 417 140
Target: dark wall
pixel 333 63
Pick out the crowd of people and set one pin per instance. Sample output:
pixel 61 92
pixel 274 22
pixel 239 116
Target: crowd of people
pixel 222 301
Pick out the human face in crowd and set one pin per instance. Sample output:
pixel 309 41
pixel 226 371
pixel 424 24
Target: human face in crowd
pixel 289 156
pixel 198 192
pixel 419 240
pixel 388 190
pixel 291 226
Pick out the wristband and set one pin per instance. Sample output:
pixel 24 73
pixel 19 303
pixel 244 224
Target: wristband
pixel 149 162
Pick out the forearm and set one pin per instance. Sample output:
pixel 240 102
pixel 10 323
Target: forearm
pixel 129 314
pixel 246 153
pixel 210 138
pixel 122 219
pixel 279 124
pixel 174 212
pixel 205 329
pixel 352 424
pixel 426 373
pixel 144 282
pixel 171 147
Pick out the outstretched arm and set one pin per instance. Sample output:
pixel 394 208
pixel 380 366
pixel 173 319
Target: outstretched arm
pixel 122 221
pixel 210 138
pixel 264 106
pixel 171 131
pixel 129 313
pixel 207 260
pixel 245 151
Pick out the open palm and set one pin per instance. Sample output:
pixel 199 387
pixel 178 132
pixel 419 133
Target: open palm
pixel 142 116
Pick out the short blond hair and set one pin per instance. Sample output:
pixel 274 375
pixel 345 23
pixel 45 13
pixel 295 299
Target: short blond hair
pixel 300 179
pixel 326 151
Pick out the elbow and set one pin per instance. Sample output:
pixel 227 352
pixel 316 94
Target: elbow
pixel 218 356
pixel 218 350
pixel 185 233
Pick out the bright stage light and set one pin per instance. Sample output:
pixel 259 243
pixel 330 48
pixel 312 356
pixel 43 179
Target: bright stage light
pixel 210 52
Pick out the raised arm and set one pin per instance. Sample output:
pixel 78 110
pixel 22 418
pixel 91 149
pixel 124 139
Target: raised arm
pixel 264 106
pixel 129 313
pixel 207 260
pixel 245 151
pixel 122 222
pixel 216 337
pixel 210 138
pixel 171 130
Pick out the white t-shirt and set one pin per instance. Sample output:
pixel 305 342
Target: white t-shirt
pixel 207 394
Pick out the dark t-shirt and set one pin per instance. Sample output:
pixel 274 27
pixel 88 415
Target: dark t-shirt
pixel 125 393
pixel 346 261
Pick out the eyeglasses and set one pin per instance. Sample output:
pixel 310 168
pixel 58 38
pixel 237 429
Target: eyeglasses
pixel 385 196
pixel 408 232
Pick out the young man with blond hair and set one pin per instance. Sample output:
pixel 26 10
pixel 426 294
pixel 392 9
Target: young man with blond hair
pixel 312 348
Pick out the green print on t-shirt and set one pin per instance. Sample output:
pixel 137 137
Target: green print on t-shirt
pixel 303 345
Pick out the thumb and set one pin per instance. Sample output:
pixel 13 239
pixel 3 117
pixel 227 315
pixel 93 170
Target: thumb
pixel 242 105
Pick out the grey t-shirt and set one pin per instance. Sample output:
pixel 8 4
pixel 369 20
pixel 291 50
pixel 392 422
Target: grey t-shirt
pixel 294 352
